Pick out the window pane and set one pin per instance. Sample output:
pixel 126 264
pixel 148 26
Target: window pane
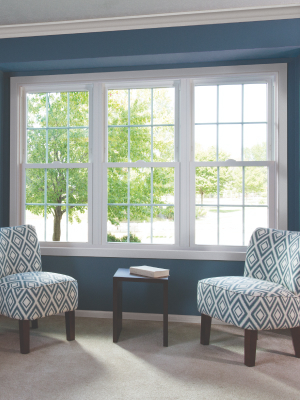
pixel 231 226
pixel 163 185
pixel 140 224
pixel 255 142
pixel 140 106
pixel 78 188
pixel 206 185
pixel 231 185
pixel 79 109
pixel 35 215
pixel 117 144
pixel 163 106
pixel 255 102
pixel 57 145
pixel 230 103
pixel 206 228
pixel 77 224
pixel 163 143
pixel 140 185
pixel 36 110
pixel 230 142
pixel 56 224
pixel 36 146
pixel 205 104
pixel 118 107
pixel 255 217
pixel 56 185
pixel 256 185
pixel 57 109
pixel 205 142
pixel 117 185
pixel 163 225
pixel 79 146
pixel 35 185
pixel 140 144
pixel 117 224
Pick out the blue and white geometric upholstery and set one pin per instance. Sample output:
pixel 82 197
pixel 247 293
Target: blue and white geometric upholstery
pixel 268 296
pixel 19 250
pixel 274 256
pixel 27 293
pixel 32 295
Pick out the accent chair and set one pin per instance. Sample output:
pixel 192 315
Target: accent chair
pixel 266 297
pixel 26 292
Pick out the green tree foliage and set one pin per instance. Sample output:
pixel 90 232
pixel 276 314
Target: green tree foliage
pixel 207 177
pixel 62 111
pixel 60 116
pixel 137 181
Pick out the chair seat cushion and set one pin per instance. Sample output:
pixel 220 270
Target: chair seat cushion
pixel 32 295
pixel 248 303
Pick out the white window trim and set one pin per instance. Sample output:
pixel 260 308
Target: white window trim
pixel 100 81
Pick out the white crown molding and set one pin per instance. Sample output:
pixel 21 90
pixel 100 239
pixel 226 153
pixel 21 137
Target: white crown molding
pixel 152 21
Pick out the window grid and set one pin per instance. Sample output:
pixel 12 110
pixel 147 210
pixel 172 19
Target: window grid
pixel 131 164
pixel 242 123
pixel 129 204
pixel 33 166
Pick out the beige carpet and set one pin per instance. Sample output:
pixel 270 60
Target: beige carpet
pixel 138 367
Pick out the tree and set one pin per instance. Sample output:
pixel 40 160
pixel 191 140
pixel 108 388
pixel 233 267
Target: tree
pixel 60 181
pixel 207 177
pixel 137 181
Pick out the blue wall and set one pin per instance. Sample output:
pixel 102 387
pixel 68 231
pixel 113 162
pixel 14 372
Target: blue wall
pixel 182 47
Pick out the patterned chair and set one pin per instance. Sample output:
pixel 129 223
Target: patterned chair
pixel 267 297
pixel 27 293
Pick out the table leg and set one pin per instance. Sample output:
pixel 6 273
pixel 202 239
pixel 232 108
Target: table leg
pixel 165 316
pixel 117 309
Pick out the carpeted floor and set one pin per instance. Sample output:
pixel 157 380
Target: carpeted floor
pixel 139 367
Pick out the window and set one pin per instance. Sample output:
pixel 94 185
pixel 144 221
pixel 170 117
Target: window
pixel 141 167
pixel 232 166
pixel 57 165
pixel 166 164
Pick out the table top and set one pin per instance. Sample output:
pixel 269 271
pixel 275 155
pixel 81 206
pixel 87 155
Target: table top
pixel 124 274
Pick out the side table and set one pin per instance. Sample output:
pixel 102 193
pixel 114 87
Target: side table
pixel 123 275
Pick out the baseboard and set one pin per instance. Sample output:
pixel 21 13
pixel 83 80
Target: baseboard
pixel 191 319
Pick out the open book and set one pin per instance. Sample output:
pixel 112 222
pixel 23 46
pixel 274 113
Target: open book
pixel 150 272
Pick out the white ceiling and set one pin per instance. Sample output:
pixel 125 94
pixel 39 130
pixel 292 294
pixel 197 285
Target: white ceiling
pixel 35 11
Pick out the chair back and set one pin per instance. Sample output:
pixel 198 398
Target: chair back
pixel 19 250
pixel 274 256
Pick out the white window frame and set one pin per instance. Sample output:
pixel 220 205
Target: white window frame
pixel 98 83
pixel 238 79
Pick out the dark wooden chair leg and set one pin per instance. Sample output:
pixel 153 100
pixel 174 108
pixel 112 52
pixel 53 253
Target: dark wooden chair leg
pixel 34 324
pixel 250 347
pixel 70 325
pixel 296 340
pixel 24 327
pixel 205 329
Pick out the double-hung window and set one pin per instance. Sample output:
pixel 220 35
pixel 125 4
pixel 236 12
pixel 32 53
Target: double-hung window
pixel 56 165
pixel 165 164
pixel 142 130
pixel 233 170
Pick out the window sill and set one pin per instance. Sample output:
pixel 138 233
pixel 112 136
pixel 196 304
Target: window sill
pixel 178 254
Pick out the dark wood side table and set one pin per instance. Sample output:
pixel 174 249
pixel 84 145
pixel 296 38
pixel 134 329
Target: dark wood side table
pixel 123 275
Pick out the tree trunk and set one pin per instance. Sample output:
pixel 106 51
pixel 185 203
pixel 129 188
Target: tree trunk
pixel 56 224
pixel 202 195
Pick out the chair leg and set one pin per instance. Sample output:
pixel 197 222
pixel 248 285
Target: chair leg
pixel 70 325
pixel 296 340
pixel 34 324
pixel 24 327
pixel 205 329
pixel 250 347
